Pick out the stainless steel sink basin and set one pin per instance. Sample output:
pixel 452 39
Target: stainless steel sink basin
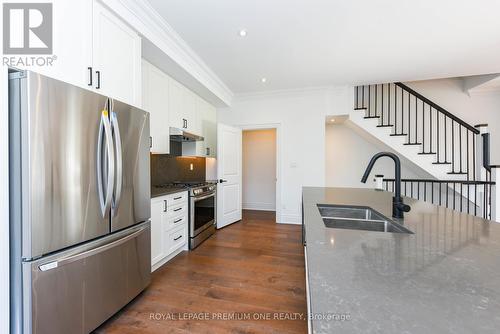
pixel 358 218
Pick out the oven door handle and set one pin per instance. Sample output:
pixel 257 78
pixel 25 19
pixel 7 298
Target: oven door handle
pixel 196 199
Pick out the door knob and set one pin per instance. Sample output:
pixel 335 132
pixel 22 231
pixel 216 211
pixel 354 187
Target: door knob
pixel 222 181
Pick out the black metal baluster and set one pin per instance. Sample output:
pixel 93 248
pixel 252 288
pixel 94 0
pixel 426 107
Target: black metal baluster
pixel 389 103
pixel 474 156
pixel 395 110
pixel 423 127
pixel 430 128
pixel 447 193
pixel 376 106
pixel 437 136
pixel 402 112
pixel 369 102
pixel 418 190
pixel 416 120
pixel 363 96
pixel 445 141
pixel 460 145
pixel 382 100
pixel 432 192
pixel 452 146
pixel 454 195
pixel 409 119
pixel 467 155
pixel 461 196
pixel 425 191
pixel 440 193
pixel 475 200
pixel 468 200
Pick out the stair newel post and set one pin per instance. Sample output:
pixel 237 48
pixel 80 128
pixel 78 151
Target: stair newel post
pixel 480 155
pixel 495 194
pixel 482 161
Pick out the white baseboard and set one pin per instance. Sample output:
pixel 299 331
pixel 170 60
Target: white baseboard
pixel 259 206
pixel 290 219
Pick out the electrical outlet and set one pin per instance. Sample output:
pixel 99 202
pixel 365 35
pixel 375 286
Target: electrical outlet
pixel 191 167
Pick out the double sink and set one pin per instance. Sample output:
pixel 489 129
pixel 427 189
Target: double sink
pixel 358 218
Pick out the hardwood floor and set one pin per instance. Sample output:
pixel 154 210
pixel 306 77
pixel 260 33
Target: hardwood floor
pixel 252 271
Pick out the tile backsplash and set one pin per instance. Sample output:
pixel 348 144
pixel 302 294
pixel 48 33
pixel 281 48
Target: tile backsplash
pixel 167 168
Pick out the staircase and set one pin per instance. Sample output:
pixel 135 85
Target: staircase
pixel 423 132
pixel 438 142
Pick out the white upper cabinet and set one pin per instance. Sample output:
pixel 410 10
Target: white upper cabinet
pixel 189 114
pixel 72 42
pixel 208 124
pixel 155 100
pixel 116 57
pixel 176 105
pixel 182 108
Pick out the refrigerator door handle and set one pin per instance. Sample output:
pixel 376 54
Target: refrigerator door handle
pixel 99 249
pixel 119 159
pixel 105 131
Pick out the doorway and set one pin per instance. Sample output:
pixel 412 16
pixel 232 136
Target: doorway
pixel 259 171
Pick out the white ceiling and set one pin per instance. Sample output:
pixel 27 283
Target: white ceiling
pixel 305 43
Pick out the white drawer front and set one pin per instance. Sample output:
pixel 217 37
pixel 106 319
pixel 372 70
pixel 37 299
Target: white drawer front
pixel 175 238
pixel 177 210
pixel 177 198
pixel 176 222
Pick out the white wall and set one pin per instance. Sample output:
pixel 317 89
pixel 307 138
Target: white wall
pixel 474 109
pixel 347 154
pixel 259 169
pixel 301 116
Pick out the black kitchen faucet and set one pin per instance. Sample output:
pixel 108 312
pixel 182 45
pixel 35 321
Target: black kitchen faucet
pixel 398 207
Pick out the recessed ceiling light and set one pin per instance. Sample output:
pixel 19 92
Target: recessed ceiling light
pixel 242 33
pixel 332 120
pixel 263 80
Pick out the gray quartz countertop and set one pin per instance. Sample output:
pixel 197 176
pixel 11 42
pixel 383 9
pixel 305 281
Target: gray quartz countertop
pixel 161 191
pixel 444 278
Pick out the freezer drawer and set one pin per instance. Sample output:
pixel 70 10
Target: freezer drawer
pixel 77 291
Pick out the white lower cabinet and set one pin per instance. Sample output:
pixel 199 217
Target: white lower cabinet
pixel 169 227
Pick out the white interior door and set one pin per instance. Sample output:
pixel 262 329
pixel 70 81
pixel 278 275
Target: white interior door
pixel 229 174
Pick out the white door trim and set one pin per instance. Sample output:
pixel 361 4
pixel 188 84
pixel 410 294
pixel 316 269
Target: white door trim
pixel 277 127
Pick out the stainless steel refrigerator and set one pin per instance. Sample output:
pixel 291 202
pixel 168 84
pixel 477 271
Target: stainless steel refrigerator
pixel 80 205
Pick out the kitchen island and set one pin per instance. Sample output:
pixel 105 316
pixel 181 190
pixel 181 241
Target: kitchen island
pixel 443 278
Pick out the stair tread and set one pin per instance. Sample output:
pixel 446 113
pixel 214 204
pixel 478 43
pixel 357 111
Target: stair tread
pixel 412 144
pixel 371 117
pixel 363 108
pixel 441 163
pixel 398 134
pixel 457 173
pixel 424 153
pixel 385 126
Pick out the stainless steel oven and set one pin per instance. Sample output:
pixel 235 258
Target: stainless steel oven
pixel 202 211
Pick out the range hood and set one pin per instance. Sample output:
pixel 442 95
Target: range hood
pixel 179 135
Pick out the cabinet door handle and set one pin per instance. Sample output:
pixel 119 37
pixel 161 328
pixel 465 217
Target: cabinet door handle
pixel 176 198
pixel 208 150
pixel 90 75
pixel 178 209
pixel 180 236
pixel 150 142
pixel 98 73
pixel 178 220
pixel 164 205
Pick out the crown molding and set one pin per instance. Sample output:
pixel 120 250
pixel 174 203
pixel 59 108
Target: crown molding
pixel 151 25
